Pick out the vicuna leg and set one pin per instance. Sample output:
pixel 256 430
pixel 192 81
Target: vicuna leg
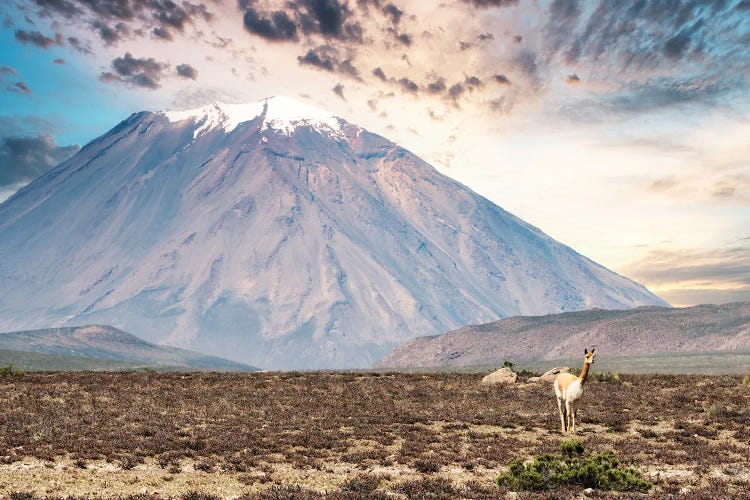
pixel 560 407
pixel 569 411
pixel 575 410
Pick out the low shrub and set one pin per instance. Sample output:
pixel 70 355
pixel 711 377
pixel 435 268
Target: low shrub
pixel 363 484
pixel 9 371
pixel 572 468
pixel 426 466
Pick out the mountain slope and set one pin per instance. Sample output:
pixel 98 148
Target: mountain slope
pixel 275 234
pixel 641 331
pixel 99 342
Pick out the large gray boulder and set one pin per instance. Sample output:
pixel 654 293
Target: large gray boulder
pixel 501 376
pixel 549 375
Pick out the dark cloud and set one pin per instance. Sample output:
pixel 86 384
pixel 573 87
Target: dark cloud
pixel 139 72
pixel 59 60
pixel 393 12
pixel 163 33
pixel 486 4
pixel 473 81
pixel 79 46
pixel 339 91
pixel 187 71
pixel 502 79
pixel 279 27
pixel 110 36
pixel 379 74
pixel 456 91
pixel 23 159
pixel 113 20
pixel 408 85
pixel 346 67
pixel 20 88
pixel 405 39
pixel 573 79
pixel 38 39
pixel 437 87
pixel 675 47
pixel 313 58
pixel 328 18
pixel 327 57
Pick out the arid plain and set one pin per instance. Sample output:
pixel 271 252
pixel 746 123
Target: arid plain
pixel 354 435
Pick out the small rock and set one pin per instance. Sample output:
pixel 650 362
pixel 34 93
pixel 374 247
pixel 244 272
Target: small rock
pixel 588 492
pixel 501 376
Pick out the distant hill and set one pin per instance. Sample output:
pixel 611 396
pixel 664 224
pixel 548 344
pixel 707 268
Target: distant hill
pixel 642 331
pixel 101 344
pixel 34 361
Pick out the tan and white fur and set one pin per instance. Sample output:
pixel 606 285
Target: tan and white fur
pixel 569 390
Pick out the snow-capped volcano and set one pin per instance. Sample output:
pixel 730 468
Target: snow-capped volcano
pixel 277 235
pixel 278 113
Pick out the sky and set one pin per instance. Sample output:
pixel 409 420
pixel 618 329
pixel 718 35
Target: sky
pixel 619 128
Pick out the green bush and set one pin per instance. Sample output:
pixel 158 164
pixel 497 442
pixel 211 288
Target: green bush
pixel 524 373
pixel 746 380
pixel 8 371
pixel 571 448
pixel 600 471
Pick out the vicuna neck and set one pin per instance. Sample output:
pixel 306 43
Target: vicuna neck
pixel 584 372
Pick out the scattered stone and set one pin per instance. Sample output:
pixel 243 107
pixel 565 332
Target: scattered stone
pixel 502 376
pixel 588 492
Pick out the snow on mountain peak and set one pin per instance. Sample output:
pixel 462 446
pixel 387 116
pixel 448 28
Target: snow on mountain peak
pixel 279 113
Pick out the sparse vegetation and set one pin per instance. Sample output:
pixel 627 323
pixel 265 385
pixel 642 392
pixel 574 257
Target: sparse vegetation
pixel 9 371
pixel 571 468
pixel 310 435
pixel 523 373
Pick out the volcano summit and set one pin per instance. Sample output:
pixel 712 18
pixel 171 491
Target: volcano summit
pixel 277 235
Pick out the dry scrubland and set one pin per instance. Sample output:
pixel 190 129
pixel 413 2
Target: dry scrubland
pixel 350 435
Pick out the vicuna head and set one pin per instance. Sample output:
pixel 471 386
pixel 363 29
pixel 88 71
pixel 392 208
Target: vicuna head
pixel 589 356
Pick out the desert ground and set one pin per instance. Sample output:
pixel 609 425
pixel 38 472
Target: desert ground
pixel 353 435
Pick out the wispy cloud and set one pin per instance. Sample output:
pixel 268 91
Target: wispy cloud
pixel 695 276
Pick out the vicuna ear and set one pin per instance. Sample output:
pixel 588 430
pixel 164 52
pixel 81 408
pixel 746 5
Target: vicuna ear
pixel 592 350
pixel 585 351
